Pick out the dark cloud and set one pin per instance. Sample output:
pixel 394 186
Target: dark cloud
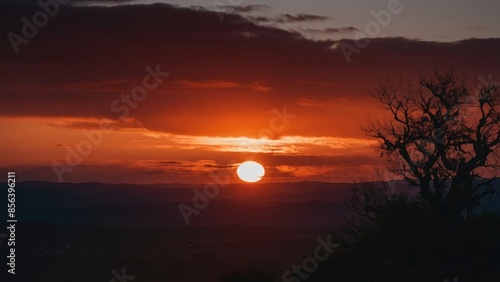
pixel 86 57
pixel 35 3
pixel 288 18
pixel 103 1
pixel 124 124
pixel 331 30
pixel 246 8
pixel 170 162
pixel 302 18
pixel 232 9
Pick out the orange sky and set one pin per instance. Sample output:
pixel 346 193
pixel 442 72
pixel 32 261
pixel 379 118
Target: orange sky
pixel 234 91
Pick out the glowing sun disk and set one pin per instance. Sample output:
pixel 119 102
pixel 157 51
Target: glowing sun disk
pixel 250 171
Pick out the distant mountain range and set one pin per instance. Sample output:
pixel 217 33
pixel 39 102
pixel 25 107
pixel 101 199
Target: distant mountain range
pixel 286 205
pixel 282 205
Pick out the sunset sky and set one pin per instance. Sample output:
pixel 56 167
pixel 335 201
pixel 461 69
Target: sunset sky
pixel 265 81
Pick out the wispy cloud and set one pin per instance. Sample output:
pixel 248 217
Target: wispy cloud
pixel 288 18
pixel 284 145
pixel 331 30
pixel 218 84
pixel 247 8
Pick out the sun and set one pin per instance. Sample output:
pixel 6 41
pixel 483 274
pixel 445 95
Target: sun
pixel 250 171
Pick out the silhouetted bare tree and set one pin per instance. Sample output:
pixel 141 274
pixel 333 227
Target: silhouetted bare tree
pixel 439 136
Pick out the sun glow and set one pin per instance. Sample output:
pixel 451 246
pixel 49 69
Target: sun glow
pixel 250 171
